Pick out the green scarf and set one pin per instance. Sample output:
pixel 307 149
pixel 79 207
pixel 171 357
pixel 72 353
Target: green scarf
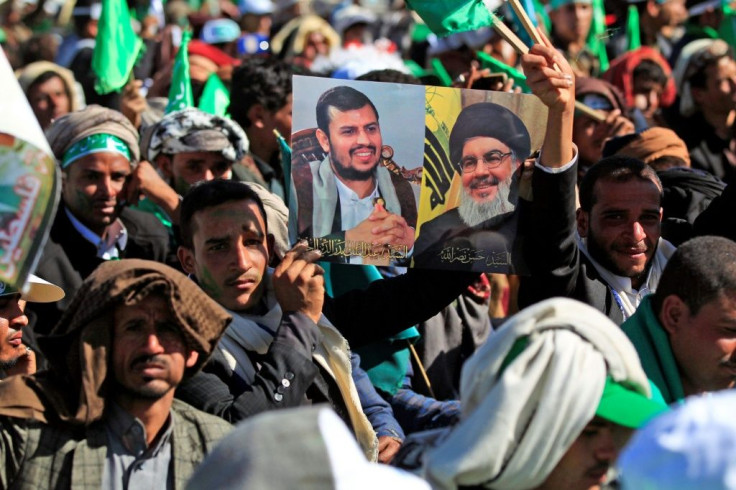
pixel 653 345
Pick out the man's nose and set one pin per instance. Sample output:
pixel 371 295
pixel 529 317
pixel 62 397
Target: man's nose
pixel 605 449
pixel 637 231
pixel 18 318
pixel 153 343
pixel 363 138
pixel 242 258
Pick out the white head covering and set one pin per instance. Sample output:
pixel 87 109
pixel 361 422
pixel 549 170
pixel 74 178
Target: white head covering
pixel 306 448
pixel 516 427
pixel 689 54
pixel 690 448
pixel 36 290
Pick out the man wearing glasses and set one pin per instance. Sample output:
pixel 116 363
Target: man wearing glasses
pixel 488 143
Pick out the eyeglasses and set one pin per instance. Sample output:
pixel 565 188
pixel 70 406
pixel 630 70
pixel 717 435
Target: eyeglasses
pixel 492 159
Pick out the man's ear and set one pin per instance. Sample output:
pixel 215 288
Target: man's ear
pixel 192 359
pixel 697 94
pixel 164 163
pixel 653 9
pixel 673 313
pixel 186 258
pixel 583 221
pixel 324 140
pixel 270 246
pixel 256 115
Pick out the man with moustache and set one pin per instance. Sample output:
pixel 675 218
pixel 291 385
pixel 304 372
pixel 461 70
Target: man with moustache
pixel 103 416
pixel 685 333
pixel 97 149
pixel 348 195
pixel 16 356
pixel 481 233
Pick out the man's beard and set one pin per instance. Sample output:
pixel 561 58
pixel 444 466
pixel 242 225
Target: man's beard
pixel 349 173
pixel 5 365
pixel 492 212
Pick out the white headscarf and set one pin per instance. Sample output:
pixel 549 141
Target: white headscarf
pixel 516 427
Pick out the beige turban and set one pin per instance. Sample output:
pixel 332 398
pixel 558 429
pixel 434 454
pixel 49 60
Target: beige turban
pixel 655 143
pixel 93 119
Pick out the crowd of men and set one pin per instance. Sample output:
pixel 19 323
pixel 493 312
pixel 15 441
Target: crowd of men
pixel 168 304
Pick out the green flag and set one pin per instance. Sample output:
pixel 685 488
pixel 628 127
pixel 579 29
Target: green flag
pixel 446 17
pixel 116 47
pixel 180 93
pixel 441 72
pixel 496 66
pixel 633 34
pixel 215 97
pixel 597 34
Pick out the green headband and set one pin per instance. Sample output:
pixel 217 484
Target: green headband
pixel 96 143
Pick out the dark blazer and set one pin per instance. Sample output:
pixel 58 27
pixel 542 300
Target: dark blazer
pixel 383 309
pixel 68 258
pixel 555 262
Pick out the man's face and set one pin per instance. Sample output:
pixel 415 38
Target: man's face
pixel 281 119
pixel 704 344
pixel 647 96
pixel 572 21
pixel 149 354
pixel 188 168
pixel 49 101
pixel 623 226
pixel 12 321
pixel 485 163
pixel 354 142
pixel 586 462
pixel 719 94
pixel 230 253
pixel 588 140
pixel 672 13
pixel 90 188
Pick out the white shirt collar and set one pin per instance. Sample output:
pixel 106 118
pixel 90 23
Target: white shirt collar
pixel 108 248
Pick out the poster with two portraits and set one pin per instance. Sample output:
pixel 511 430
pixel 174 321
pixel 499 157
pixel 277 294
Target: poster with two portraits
pixel 412 175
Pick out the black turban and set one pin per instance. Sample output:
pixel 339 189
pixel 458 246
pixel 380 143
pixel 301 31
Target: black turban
pixel 491 120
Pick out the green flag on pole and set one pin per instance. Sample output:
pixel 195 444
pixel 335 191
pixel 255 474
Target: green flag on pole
pixel 445 17
pixel 597 35
pixel 441 72
pixel 215 97
pixel 116 47
pixel 633 34
pixel 180 93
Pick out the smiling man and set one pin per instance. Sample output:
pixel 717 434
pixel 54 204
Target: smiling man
pixel 486 156
pixel 350 181
pixel 138 328
pixel 610 253
pixel 97 149
pixel 685 333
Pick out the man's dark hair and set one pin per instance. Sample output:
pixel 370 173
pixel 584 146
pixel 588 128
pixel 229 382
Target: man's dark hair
pixel 650 71
pixel 698 272
pixel 615 169
pixel 343 99
pixel 209 194
pixel 45 77
pixel 265 81
pixel 389 75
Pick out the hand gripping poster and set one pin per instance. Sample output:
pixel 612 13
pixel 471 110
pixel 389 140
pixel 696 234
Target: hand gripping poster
pixel 29 183
pixel 412 175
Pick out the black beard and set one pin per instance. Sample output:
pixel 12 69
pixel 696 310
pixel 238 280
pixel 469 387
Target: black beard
pixel 5 365
pixel 349 173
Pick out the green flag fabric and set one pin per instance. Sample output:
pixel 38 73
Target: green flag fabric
pixel 597 34
pixel 180 93
pixel 633 34
pixel 116 47
pixel 496 66
pixel 215 97
pixel 441 72
pixel 445 17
